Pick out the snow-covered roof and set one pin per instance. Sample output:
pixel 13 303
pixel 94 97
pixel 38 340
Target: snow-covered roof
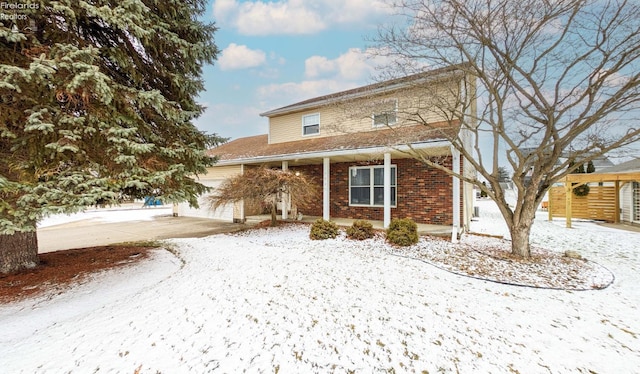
pixel 629 166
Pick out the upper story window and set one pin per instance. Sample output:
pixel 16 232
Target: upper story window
pixel 311 124
pixel 386 113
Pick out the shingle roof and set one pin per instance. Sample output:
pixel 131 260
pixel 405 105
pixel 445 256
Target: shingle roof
pixel 629 166
pixel 599 162
pixel 257 146
pixel 379 87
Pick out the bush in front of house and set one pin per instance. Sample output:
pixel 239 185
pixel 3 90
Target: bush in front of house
pixel 322 229
pixel 360 230
pixel 402 232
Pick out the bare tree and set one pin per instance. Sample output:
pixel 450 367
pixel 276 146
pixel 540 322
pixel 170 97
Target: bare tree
pixel 265 185
pixel 550 77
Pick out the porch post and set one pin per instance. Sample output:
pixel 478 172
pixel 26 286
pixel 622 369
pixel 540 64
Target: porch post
pixel 326 183
pixel 455 156
pixel 285 197
pixel 242 216
pixel 387 190
pixel 568 191
pixel 616 212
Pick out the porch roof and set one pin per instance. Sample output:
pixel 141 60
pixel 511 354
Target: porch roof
pixel 256 149
pixel 630 176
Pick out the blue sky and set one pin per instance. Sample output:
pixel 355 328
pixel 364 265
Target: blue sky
pixel 278 52
pixel 275 53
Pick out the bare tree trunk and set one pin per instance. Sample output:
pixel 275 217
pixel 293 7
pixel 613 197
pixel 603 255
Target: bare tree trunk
pixel 18 252
pixel 520 229
pixel 520 240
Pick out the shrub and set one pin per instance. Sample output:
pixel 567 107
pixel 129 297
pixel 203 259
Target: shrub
pixel 403 232
pixel 322 229
pixel 360 230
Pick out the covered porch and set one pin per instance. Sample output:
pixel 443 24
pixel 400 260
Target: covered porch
pixel 334 169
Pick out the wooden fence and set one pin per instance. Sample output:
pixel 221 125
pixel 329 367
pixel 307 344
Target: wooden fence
pixel 599 204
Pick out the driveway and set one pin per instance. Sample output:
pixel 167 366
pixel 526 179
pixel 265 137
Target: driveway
pixel 90 232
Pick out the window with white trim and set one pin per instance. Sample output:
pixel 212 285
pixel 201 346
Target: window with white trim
pixel 311 124
pixel 366 185
pixel 386 113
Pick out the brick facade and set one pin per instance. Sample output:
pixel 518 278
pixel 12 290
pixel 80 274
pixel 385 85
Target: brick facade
pixel 424 194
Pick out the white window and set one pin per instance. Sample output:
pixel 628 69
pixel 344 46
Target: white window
pixel 366 185
pixel 311 124
pixel 386 113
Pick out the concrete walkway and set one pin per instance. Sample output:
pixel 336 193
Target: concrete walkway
pixel 87 233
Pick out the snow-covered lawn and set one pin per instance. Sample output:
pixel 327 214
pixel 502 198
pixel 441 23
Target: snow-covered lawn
pixel 272 301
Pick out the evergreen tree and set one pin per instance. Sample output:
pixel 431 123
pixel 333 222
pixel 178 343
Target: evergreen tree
pixel 590 167
pixel 97 100
pixel 503 174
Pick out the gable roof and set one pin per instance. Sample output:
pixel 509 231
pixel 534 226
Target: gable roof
pixel 253 148
pixel 629 166
pixel 372 89
pixel 600 162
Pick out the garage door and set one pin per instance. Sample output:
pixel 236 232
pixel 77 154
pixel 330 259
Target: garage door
pixel 223 213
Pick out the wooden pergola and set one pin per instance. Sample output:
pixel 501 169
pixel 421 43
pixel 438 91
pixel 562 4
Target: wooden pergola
pixel 572 181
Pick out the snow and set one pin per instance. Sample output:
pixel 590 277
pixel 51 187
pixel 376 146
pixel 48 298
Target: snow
pixel 270 300
pixel 123 213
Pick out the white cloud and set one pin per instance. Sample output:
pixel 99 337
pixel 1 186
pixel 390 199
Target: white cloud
pixel 276 95
pixel 224 9
pixel 259 18
pixel 296 16
pixel 230 120
pixel 354 64
pixel 351 69
pixel 355 11
pixel 240 57
pixel 316 66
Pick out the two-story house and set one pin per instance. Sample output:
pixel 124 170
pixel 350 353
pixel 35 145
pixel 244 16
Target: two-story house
pixel 359 145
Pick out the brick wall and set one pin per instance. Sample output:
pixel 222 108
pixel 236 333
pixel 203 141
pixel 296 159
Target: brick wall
pixel 423 193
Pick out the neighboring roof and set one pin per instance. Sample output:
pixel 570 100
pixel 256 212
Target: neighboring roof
pixel 599 162
pixel 376 88
pixel 253 147
pixel 629 166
